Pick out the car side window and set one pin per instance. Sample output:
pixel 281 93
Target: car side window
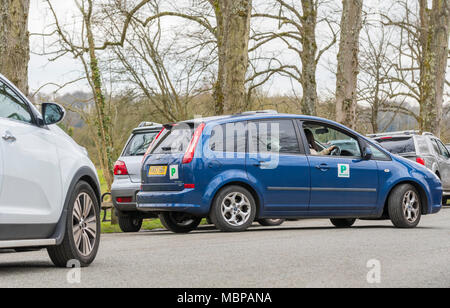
pixel 12 107
pixel 443 149
pixel 324 140
pixel 377 154
pixel 436 148
pixel 273 136
pixel 230 138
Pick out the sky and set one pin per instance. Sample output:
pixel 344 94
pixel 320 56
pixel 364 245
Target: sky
pixel 65 69
pixel 40 70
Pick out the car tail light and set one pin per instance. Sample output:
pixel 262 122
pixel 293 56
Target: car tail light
pixel 120 168
pixel 420 160
pixel 386 138
pixel 189 186
pixel 189 156
pixel 124 199
pixel 151 144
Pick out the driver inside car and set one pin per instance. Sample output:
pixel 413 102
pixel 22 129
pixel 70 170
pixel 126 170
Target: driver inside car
pixel 313 145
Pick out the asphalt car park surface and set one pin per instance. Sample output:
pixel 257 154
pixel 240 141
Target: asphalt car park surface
pixel 307 253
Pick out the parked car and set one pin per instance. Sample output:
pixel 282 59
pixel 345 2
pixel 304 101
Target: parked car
pixel 49 190
pixel 241 168
pixel 127 177
pixel 425 149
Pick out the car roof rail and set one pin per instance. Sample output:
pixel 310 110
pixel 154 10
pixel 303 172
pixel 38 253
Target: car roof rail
pixel 256 112
pixel 428 134
pixel 148 124
pixel 398 133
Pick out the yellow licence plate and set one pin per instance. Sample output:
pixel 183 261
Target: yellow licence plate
pixel 158 170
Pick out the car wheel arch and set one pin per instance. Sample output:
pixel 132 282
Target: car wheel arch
pixel 83 174
pixel 422 193
pixel 250 188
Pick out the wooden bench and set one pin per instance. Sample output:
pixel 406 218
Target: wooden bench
pixel 106 205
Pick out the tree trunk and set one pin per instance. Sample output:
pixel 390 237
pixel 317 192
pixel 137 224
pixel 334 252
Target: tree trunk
pixel 434 38
pixel 218 87
pixel 103 120
pixel 236 25
pixel 348 67
pixel 14 42
pixel 308 57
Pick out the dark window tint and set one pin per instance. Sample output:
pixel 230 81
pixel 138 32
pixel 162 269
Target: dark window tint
pixel 229 137
pixel 176 140
pixel 139 144
pixel 276 136
pixel 398 145
pixel 443 150
pixel 11 106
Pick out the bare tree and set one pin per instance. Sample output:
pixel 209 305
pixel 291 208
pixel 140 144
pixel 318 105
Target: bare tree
pixel 168 74
pixel 14 42
pixel 422 54
pixel 434 39
pixel 297 27
pixel 375 88
pixel 347 68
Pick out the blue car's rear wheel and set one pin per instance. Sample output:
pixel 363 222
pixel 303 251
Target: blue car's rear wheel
pixel 234 209
pixel 405 208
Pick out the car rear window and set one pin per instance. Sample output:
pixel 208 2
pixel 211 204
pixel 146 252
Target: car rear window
pixel 398 145
pixel 175 140
pixel 139 144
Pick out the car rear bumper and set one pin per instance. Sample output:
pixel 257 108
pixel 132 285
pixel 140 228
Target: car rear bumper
pixel 125 189
pixel 186 201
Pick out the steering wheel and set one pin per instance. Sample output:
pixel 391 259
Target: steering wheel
pixel 336 152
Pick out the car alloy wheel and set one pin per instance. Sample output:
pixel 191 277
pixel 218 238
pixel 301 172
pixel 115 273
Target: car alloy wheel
pixel 236 209
pixel 411 206
pixel 84 224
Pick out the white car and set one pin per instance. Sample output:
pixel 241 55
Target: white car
pixel 49 189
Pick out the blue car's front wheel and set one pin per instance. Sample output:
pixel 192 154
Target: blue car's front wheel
pixel 405 208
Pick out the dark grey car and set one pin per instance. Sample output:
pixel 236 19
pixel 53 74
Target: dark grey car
pixel 425 149
pixel 127 177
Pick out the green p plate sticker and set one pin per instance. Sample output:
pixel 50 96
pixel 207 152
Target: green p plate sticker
pixel 343 171
pixel 174 172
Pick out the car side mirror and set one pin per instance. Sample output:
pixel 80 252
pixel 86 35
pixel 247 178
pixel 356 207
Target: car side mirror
pixel 368 154
pixel 52 113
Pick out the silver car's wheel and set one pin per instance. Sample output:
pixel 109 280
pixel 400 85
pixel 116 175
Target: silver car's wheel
pixel 84 224
pixel 411 206
pixel 236 209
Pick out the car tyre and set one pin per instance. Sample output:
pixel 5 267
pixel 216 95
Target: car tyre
pixel 234 209
pixel 179 222
pixel 83 229
pixel 271 222
pixel 405 208
pixel 130 224
pixel 343 223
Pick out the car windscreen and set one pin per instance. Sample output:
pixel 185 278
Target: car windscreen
pixel 398 145
pixel 175 141
pixel 139 144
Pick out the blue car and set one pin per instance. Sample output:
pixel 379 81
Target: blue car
pixel 262 165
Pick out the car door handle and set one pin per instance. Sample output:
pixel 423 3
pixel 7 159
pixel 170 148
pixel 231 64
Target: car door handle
pixel 9 137
pixel 323 167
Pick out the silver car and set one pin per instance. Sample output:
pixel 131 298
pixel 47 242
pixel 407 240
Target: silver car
pixel 425 149
pixel 127 177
